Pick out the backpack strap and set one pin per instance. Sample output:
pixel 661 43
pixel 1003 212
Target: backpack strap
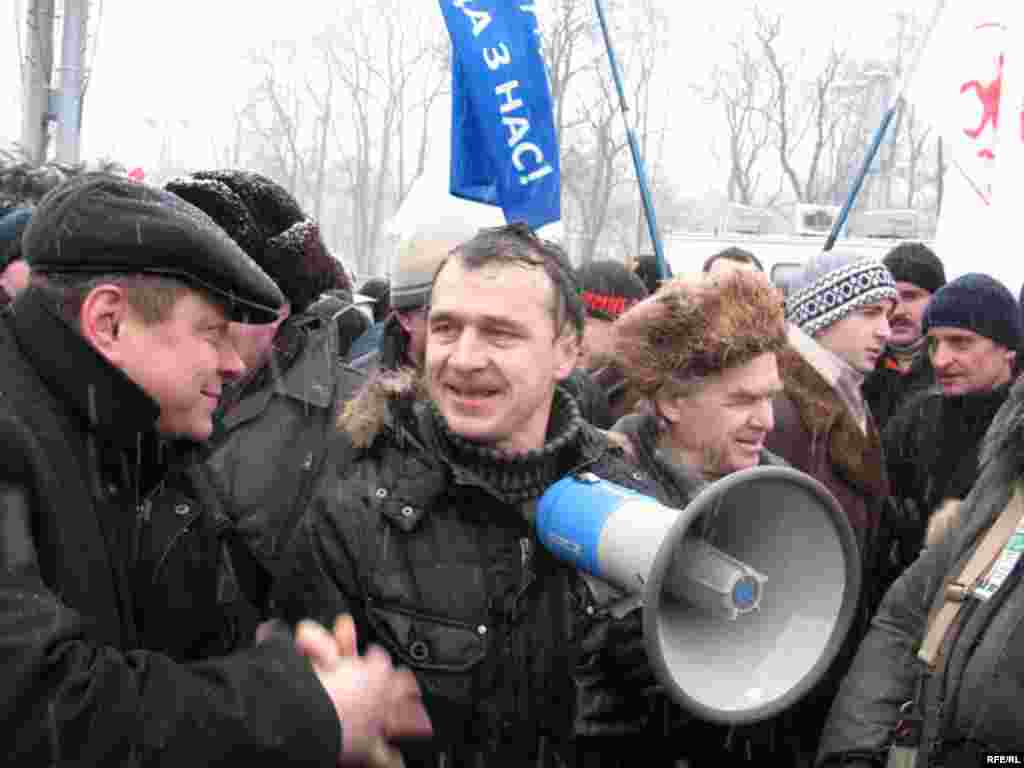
pixel 958 589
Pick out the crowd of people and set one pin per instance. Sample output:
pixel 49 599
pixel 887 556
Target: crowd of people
pixel 254 511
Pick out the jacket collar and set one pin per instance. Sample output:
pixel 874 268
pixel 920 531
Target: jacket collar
pixel 103 397
pixel 308 379
pixel 855 454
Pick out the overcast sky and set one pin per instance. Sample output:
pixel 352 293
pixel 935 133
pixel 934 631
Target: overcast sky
pixel 175 70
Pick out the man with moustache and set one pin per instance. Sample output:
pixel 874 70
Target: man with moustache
pixel 905 368
pixel 973 330
pixel 426 537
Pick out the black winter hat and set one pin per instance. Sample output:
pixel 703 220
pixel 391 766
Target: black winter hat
pixel 979 303
pixel 262 217
pixel 916 263
pixel 609 289
pixel 98 223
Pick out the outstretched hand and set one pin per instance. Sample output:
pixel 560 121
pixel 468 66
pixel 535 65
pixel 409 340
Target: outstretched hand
pixel 375 702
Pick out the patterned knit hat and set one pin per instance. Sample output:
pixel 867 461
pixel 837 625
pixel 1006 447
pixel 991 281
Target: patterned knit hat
pixel 832 285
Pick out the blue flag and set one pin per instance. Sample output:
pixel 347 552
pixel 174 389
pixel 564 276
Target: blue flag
pixel 504 149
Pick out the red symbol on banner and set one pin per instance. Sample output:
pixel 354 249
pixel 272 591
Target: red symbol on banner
pixel 988 94
pixel 137 174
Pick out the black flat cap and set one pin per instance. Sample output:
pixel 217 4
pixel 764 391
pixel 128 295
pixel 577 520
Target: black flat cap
pixel 98 223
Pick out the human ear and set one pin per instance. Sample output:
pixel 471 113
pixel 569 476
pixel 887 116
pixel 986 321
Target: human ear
pixel 102 317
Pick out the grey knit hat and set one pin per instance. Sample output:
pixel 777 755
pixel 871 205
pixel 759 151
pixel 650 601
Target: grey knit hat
pixel 416 263
pixel 835 283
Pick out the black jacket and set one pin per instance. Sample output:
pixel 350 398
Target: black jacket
pixel 425 540
pixel 972 702
pixel 80 686
pixel 271 443
pixel 887 388
pixel 931 452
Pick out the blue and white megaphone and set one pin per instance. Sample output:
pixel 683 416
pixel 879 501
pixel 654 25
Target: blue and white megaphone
pixel 747 593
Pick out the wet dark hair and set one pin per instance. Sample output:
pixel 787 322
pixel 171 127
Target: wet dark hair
pixel 516 243
pixel 732 253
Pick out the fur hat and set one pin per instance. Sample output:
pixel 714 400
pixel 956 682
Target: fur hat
pixel 978 303
pixel 916 263
pixel 698 325
pixel 608 288
pixel 832 285
pixel 267 222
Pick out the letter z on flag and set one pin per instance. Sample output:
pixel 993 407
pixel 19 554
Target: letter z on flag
pixel 504 151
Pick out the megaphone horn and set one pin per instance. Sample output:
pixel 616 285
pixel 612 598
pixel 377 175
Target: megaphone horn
pixel 748 592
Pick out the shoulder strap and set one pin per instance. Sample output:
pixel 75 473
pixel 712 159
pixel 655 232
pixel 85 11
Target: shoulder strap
pixel 956 591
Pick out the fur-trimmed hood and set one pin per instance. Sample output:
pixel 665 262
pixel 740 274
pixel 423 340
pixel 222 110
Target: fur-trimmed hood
pixel 854 454
pixel 372 409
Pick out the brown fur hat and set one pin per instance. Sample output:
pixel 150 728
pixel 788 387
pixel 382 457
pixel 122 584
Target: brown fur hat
pixel 697 325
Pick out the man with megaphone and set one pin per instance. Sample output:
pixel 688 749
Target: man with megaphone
pixel 426 537
pixel 701 355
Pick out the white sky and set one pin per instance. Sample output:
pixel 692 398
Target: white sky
pixel 171 72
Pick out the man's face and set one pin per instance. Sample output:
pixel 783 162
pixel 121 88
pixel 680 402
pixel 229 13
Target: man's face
pixel 598 343
pixel 253 343
pixel 965 361
pixel 860 337
pixel 721 428
pixel 181 362
pixel 414 323
pixel 906 317
pixel 493 358
pixel 14 278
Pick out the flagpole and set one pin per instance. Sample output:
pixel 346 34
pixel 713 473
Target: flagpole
pixel 638 163
pixel 876 141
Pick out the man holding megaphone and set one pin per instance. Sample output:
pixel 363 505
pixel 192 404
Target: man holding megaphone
pixel 701 356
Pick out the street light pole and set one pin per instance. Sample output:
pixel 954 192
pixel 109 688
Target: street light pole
pixel 69 113
pixel 36 70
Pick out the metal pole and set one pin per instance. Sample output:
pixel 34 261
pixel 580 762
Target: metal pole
pixel 36 71
pixel 876 142
pixel 638 163
pixel 70 101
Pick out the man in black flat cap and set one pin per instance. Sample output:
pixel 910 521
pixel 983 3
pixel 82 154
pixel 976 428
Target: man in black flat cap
pixel 118 348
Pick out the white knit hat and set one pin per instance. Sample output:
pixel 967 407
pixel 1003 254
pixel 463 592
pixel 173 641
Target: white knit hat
pixel 835 283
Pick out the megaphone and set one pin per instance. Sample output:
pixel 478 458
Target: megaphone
pixel 747 592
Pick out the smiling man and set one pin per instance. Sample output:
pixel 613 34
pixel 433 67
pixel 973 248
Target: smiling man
pixel 118 349
pixel 426 537
pixel 973 331
pixel 701 353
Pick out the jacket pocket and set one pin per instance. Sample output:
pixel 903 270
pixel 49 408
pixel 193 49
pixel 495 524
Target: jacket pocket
pixel 427 642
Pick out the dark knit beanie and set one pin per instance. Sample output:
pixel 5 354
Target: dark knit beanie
pixel 267 222
pixel 916 263
pixel 979 303
pixel 609 288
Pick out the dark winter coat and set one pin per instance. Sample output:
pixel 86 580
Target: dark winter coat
pixel 80 686
pixel 271 444
pixel 887 388
pixel 980 683
pixel 425 540
pixel 931 449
